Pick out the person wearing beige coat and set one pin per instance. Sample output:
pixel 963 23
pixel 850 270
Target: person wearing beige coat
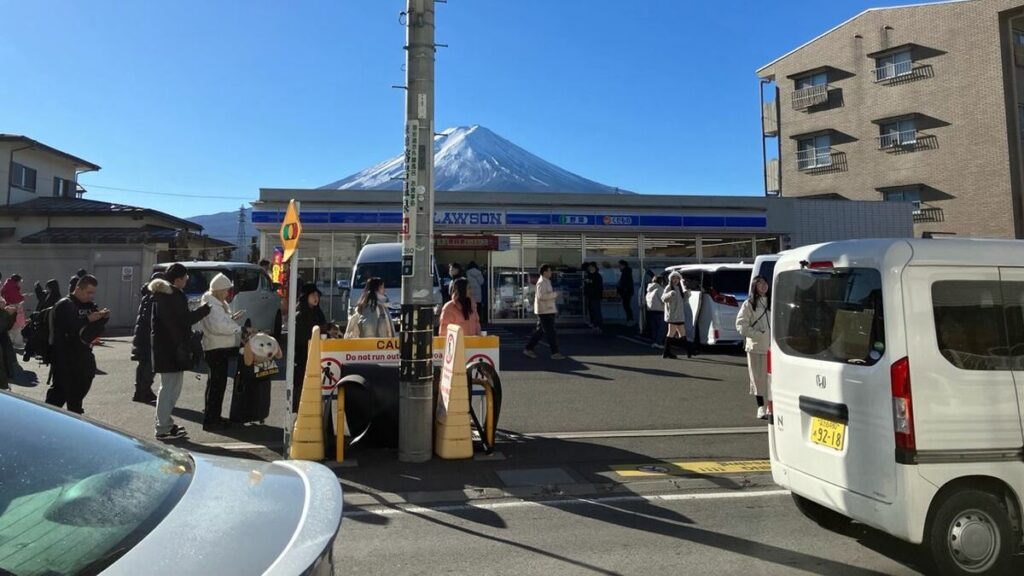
pixel 545 306
pixel 754 323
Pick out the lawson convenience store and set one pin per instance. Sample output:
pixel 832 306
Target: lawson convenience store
pixel 510 235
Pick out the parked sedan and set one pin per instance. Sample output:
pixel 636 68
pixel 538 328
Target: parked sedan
pixel 77 498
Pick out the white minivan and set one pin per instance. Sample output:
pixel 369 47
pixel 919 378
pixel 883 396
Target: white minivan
pixel 723 288
pixel 252 290
pixel 384 261
pixel 897 386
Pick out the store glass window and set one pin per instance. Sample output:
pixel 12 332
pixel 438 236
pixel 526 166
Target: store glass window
pixel 727 248
pixel 563 252
pixel 766 245
pixel 606 252
pixel 506 281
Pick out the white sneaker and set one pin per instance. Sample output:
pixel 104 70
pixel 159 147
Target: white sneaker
pixel 529 353
pixel 762 412
pixel 557 356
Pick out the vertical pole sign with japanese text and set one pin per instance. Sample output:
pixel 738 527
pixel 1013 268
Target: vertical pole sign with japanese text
pixel 291 229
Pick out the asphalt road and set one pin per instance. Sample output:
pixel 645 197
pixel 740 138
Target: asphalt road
pixel 744 534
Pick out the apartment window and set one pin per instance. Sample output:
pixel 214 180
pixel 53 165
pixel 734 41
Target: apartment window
pixel 23 176
pixel 63 188
pixel 904 195
pixel 819 79
pixel 893 65
pixel 1018 38
pixel 901 132
pixel 814 152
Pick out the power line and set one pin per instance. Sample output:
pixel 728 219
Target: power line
pixel 168 193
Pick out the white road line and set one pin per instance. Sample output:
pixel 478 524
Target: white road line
pixel 379 510
pixel 644 433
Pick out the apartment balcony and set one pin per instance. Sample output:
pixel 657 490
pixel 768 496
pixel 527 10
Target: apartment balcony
pixel 770 118
pixel 925 215
pixel 901 72
pixel 816 160
pixel 906 141
pixel 809 97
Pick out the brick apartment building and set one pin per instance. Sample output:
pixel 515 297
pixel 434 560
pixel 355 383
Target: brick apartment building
pixel 920 103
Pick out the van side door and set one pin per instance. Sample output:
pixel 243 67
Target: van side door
pixel 1013 305
pixel 964 395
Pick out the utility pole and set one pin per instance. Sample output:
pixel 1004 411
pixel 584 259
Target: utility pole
pixel 416 339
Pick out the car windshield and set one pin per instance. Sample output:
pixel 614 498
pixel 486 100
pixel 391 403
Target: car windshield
pixel 834 315
pixel 766 271
pixel 731 281
pixel 390 272
pixel 74 497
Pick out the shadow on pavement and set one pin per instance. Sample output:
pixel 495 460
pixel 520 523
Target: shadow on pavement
pixel 654 371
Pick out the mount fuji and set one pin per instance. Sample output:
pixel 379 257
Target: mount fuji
pixel 476 159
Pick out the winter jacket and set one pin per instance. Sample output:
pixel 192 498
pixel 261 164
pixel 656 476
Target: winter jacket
pixel 7 359
pixel 11 292
pixel 625 285
pixel 47 298
pixel 70 319
pixel 544 298
pixel 370 322
pixel 219 330
pixel 172 328
pixel 674 298
pixel 593 286
pixel 755 326
pixel 476 284
pixel 452 313
pixel 653 297
pixel 141 350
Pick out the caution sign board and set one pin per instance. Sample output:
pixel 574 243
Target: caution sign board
pixel 291 229
pixel 453 438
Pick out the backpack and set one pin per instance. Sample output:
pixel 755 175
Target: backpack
pixel 38 335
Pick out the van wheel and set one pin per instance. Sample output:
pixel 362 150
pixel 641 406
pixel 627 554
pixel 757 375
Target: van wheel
pixel 971 534
pixel 827 519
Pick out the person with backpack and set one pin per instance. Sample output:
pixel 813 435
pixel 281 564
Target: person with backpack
pixel 173 348
pixel 754 323
pixel 142 352
pixel 76 322
pixel 220 343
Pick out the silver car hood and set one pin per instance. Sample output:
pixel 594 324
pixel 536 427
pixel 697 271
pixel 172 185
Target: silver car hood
pixel 244 517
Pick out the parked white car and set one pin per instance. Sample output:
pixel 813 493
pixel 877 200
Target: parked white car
pixel 897 382
pixel 723 287
pixel 384 261
pixel 253 290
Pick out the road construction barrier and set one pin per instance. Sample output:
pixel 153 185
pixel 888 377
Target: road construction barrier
pixel 308 434
pixel 453 436
pixel 484 382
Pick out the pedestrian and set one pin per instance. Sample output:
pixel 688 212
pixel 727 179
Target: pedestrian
pixel 625 290
pixel 674 297
pixel 77 322
pixel 257 366
pixel 371 318
pixel 8 361
pixel 593 293
pixel 74 279
pixel 11 293
pixel 754 323
pixel 307 315
pixel 220 343
pixel 656 311
pixel 460 310
pixel 546 308
pixel 142 352
pixel 49 296
pixel 173 348
pixel 476 289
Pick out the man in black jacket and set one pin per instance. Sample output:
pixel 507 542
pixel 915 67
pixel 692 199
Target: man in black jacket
pixel 593 291
pixel 625 290
pixel 141 350
pixel 171 341
pixel 77 321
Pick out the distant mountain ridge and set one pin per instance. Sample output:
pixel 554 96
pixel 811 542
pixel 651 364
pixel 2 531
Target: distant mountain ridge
pixel 475 158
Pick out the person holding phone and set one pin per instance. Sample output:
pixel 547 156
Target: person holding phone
pixel 77 323
pixel 220 342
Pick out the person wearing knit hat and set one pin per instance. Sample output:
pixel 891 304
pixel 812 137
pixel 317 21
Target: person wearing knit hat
pixel 172 349
pixel 307 315
pixel 220 343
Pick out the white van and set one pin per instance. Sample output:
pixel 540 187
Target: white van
pixel 252 291
pixel 384 261
pixel 724 287
pixel 897 382
pixel 764 266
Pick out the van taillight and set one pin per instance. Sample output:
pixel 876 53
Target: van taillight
pixel 902 411
pixel 820 264
pixel 724 299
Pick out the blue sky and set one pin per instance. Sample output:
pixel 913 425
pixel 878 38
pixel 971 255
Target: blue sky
pixel 217 98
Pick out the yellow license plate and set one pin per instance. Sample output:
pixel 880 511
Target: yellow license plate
pixel 828 433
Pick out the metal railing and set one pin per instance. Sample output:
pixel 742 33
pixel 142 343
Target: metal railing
pixel 899 139
pixel 894 70
pixel 810 158
pixel 810 96
pixel 927 214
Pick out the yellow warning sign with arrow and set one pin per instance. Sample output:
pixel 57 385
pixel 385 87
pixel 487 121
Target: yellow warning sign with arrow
pixel 291 229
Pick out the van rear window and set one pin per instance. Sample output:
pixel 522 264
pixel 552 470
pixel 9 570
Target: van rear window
pixel 833 315
pixel 731 281
pixel 389 272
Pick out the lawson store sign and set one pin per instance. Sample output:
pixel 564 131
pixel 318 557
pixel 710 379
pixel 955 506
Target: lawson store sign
pixel 493 220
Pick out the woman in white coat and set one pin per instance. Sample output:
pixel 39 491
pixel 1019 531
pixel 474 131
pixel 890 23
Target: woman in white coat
pixel 754 323
pixel 220 343
pixel 674 297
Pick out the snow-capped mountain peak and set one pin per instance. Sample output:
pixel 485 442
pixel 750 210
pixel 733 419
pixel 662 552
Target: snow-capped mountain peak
pixel 475 158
